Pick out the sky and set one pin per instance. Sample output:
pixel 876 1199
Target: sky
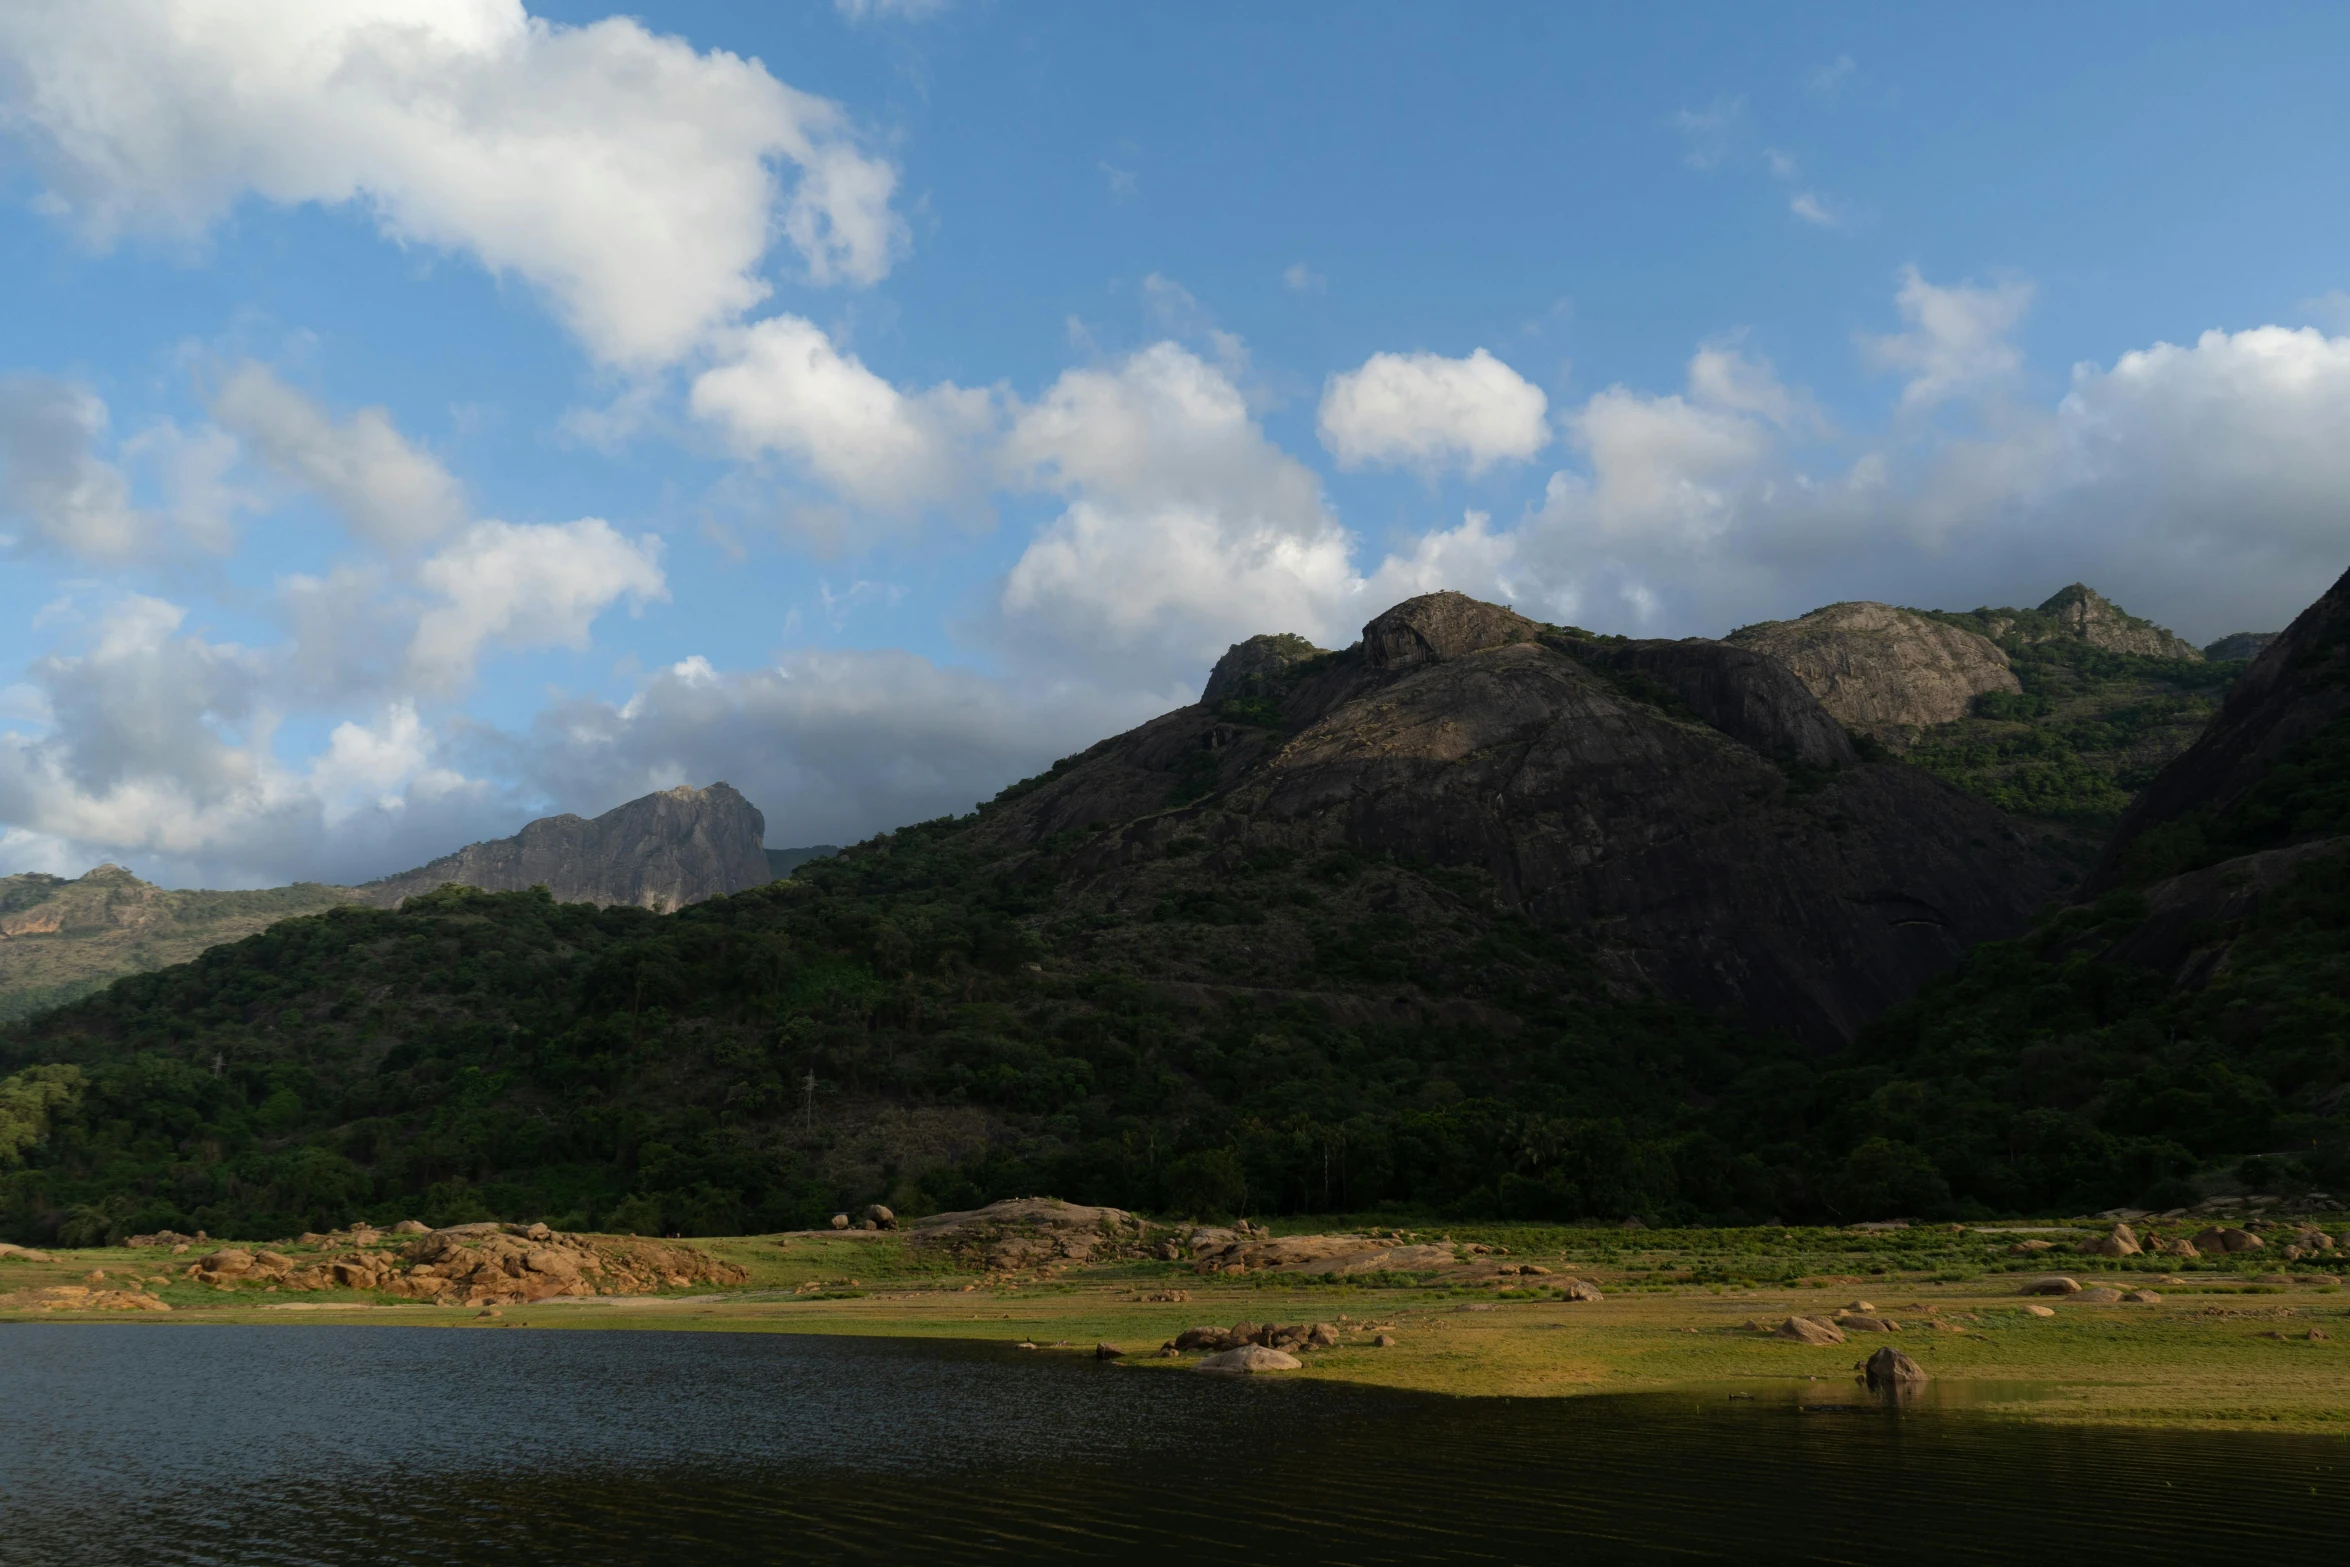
pixel 418 416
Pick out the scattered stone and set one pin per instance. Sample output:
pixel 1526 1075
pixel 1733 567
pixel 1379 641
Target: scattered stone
pixel 1810 1330
pixel 1860 1305
pixel 840 1221
pixel 2030 1248
pixel 1889 1368
pixel 878 1217
pixel 2039 1311
pixel 2122 1242
pixel 2055 1284
pixel 2140 1297
pixel 2213 1242
pixel 2318 1335
pixel 10 1253
pixel 1249 1361
pixel 2101 1295
pixel 1108 1352
pixel 1576 1289
pixel 1861 1322
pixel 1384 1341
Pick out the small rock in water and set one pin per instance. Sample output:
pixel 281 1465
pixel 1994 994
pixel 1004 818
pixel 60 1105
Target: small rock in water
pixel 1889 1367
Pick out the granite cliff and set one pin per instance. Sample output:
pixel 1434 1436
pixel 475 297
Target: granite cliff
pixel 660 852
pixel 1685 814
pixel 1885 672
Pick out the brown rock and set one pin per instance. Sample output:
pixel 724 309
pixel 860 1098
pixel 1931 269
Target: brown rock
pixel 2029 1248
pixel 2055 1284
pixel 1862 1322
pixel 1810 1330
pixel 1577 1289
pixel 1108 1352
pixel 1248 1360
pixel 878 1217
pixel 2099 1295
pixel 411 1227
pixel 227 1263
pixel 1384 1340
pixel 2140 1297
pixel 1890 1368
pixel 1438 626
pixel 2039 1311
pixel 1884 671
pixel 2225 1239
pixel 2123 1242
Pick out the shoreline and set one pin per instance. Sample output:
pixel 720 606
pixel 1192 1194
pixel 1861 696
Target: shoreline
pixel 2217 1351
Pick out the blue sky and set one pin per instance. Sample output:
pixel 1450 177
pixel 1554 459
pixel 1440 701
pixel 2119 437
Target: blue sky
pixel 420 415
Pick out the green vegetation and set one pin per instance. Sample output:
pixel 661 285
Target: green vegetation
pixel 2088 730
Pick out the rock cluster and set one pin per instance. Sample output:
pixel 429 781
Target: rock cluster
pixel 1809 1330
pixel 1020 1233
pixel 80 1297
pixel 1294 1336
pixel 473 1265
pixel 10 1252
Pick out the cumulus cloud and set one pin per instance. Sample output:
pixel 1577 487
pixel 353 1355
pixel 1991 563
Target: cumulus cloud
pixel 631 178
pixel 783 387
pixel 1186 528
pixel 526 585
pixel 1957 339
pixel 391 491
pixel 831 746
pixel 52 480
pixel 1428 412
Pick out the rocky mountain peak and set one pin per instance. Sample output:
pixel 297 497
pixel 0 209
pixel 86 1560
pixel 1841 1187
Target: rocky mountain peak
pixel 1884 671
pixel 659 852
pixel 1251 668
pixel 2081 611
pixel 1438 626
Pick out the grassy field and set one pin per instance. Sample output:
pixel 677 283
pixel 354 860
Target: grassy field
pixel 2221 1349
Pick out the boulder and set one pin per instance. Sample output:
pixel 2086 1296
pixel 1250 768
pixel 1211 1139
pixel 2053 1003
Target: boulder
pixel 840 1221
pixel 1384 1341
pixel 1862 1322
pixel 2100 1295
pixel 1211 1339
pixel 2039 1311
pixel 2055 1284
pixel 1577 1289
pixel 9 1253
pixel 227 1263
pixel 1108 1352
pixel 2140 1297
pixel 2227 1238
pixel 1248 1361
pixel 411 1227
pixel 1440 626
pixel 1890 1368
pixel 2029 1248
pixel 1809 1330
pixel 877 1217
pixel 2123 1242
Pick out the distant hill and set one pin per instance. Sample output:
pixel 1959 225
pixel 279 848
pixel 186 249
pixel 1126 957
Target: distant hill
pixel 782 862
pixel 62 939
pixel 660 852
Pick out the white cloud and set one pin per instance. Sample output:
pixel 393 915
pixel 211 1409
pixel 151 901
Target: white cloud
pixel 831 746
pixel 1957 339
pixel 785 388
pixel 526 585
pixel 1429 412
pixel 1299 278
pixel 630 177
pixel 1186 527
pixel 52 479
pixel 904 10
pixel 391 491
pixel 1815 209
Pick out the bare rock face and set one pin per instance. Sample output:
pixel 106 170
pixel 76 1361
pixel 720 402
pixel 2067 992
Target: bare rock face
pixel 660 852
pixel 2081 611
pixel 1685 812
pixel 1249 668
pixel 1884 671
pixel 1439 626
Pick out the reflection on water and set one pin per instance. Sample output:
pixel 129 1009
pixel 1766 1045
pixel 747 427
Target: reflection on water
pixel 326 1446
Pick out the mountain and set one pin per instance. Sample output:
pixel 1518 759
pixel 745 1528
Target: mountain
pixel 660 852
pixel 2057 715
pixel 2194 1019
pixel 62 939
pixel 1478 913
pixel 2240 646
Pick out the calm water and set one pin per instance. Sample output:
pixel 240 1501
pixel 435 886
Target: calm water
pixel 333 1445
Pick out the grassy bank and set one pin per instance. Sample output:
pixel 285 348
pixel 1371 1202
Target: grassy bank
pixel 2220 1349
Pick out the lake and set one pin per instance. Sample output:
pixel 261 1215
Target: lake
pixel 325 1445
